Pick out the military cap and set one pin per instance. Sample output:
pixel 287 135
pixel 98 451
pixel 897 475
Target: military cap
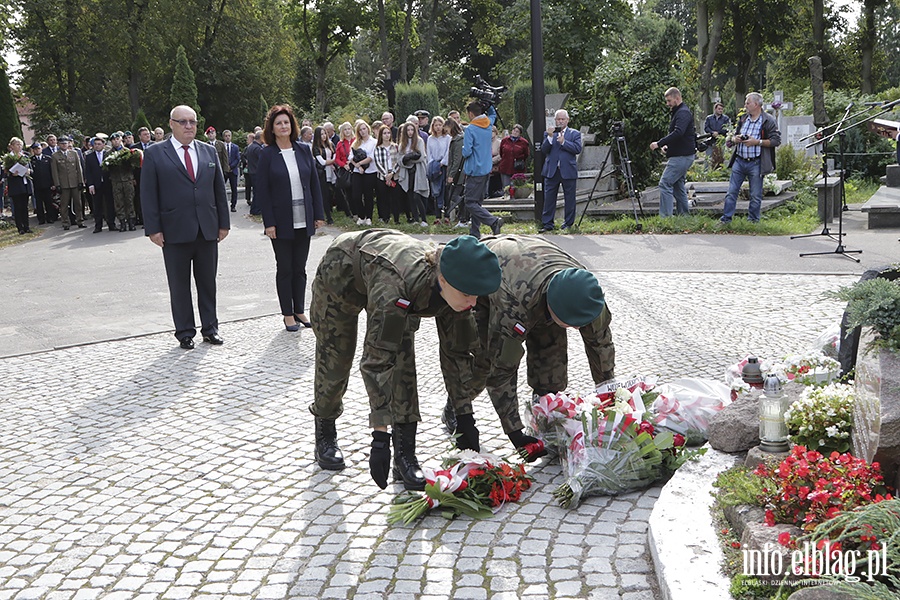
pixel 115 135
pixel 65 138
pixel 470 266
pixel 210 128
pixel 127 133
pixel 35 145
pixel 101 135
pixel 575 297
pixel 423 113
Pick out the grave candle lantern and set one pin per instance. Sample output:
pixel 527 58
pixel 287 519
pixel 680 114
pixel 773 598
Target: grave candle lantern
pixel 773 431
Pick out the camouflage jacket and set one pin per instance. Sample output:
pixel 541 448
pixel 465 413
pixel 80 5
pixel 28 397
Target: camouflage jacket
pixel 519 307
pixel 398 276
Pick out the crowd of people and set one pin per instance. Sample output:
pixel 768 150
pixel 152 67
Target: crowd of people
pixel 378 172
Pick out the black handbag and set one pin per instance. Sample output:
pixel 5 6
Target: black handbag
pixel 359 155
pixel 519 165
pixel 410 157
pixel 343 179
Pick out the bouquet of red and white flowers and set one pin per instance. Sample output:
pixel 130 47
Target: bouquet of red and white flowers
pixel 607 442
pixel 470 484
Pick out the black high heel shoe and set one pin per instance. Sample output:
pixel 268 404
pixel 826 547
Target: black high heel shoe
pixel 293 328
pixel 306 324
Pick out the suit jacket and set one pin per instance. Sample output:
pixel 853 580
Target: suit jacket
pixel 66 170
pixel 93 173
pixel 563 157
pixel 48 152
pixel 175 205
pixel 222 153
pixel 41 173
pixel 234 157
pixel 252 154
pixel 272 187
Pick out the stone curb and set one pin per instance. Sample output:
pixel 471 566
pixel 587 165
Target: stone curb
pixel 683 541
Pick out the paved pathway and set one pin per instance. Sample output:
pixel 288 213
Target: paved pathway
pixel 133 469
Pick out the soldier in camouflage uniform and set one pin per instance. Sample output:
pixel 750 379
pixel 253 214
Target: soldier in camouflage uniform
pixel 122 179
pixel 397 279
pixel 543 291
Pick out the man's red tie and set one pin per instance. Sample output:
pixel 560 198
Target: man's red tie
pixel 187 163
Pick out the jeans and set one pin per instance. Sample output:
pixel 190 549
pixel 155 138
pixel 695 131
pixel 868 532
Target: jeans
pixel 476 185
pixel 671 186
pixel 744 169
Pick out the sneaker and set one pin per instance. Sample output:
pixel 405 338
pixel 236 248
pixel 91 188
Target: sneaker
pixel 437 222
pixel 495 228
pixel 360 221
pixel 462 225
pixel 424 224
pixel 368 221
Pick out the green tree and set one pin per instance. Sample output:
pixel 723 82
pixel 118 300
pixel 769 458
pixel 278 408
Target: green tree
pixel 9 117
pixel 140 120
pixel 184 86
pixel 628 86
pixel 326 28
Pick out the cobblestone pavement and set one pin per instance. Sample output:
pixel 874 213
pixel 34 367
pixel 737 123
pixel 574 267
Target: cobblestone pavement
pixel 134 469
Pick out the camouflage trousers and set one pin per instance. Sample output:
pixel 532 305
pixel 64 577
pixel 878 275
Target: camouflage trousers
pixel 123 198
pixel 388 361
pixel 546 364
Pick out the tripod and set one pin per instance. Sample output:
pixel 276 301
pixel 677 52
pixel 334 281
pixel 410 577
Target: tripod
pixel 840 249
pixel 624 167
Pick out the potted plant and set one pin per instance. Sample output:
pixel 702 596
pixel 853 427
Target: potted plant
pixel 519 186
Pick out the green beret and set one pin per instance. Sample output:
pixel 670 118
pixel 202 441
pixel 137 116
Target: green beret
pixel 575 297
pixel 470 266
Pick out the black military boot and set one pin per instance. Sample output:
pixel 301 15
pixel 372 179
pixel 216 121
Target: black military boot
pixel 130 224
pixel 406 466
pixel 467 433
pixel 328 455
pixel 448 417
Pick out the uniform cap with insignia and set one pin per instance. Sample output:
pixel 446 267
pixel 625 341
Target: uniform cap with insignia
pixel 575 297
pixel 470 266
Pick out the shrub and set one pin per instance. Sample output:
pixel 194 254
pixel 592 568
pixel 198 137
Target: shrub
pixel 416 96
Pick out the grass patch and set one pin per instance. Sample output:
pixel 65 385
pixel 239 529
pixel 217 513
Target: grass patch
pixel 9 235
pixel 797 216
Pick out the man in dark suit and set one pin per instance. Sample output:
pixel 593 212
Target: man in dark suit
pixel 42 178
pixel 186 214
pixel 561 146
pixel 142 144
pixel 252 154
pixel 99 187
pixel 234 166
pixel 51 148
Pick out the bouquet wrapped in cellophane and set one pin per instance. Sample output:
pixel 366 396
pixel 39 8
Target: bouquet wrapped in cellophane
pixel 607 442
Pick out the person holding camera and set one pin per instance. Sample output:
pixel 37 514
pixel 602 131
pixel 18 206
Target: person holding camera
pixel 477 167
pixel 680 146
pixel 756 137
pixel 561 146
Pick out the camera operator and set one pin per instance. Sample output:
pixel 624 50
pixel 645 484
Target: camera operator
pixel 680 147
pixel 756 137
pixel 476 152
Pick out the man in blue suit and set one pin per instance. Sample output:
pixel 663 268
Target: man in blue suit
pixel 186 214
pixel 234 164
pixel 561 147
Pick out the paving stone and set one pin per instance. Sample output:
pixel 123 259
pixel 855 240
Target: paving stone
pixel 190 475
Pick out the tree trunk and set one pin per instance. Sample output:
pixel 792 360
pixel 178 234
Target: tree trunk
pixel 713 37
pixel 321 71
pixel 819 26
pixel 404 45
pixel 743 59
pixel 383 37
pixel 702 49
pixel 429 37
pixel 868 46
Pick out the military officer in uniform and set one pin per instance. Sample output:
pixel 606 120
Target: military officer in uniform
pixel 397 279
pixel 543 291
pixel 122 178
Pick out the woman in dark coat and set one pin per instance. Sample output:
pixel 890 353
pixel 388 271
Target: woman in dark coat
pixel 290 200
pixel 19 187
